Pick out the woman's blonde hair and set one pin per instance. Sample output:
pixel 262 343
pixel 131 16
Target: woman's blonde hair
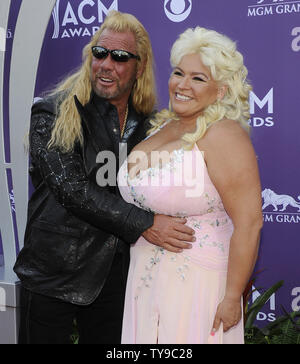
pixel 220 55
pixel 67 129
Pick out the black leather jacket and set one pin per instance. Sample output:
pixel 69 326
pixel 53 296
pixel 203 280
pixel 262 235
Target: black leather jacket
pixel 74 226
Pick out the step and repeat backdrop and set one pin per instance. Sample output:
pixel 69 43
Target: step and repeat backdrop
pixel 267 33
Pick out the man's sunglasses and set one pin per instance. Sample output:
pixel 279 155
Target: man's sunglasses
pixel 117 55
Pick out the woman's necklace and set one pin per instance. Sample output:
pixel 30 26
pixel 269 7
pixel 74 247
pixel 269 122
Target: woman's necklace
pixel 125 120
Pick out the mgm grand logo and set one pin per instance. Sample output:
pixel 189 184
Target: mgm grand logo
pixel 282 208
pixel 274 7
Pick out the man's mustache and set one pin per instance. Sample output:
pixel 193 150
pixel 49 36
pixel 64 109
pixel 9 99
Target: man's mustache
pixel 105 74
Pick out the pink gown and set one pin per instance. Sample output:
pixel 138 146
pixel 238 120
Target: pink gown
pixel 172 298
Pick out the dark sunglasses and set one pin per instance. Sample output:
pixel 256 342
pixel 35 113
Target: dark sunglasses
pixel 117 55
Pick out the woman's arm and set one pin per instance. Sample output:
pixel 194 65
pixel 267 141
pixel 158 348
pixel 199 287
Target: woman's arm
pixel 232 166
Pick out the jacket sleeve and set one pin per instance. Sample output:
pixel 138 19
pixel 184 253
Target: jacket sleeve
pixel 65 176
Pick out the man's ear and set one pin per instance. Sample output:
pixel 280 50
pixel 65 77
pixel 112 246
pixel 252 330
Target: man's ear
pixel 222 92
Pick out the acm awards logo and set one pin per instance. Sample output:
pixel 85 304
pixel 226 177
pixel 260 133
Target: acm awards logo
pixel 273 7
pixel 271 305
pixel 178 10
pixel 262 109
pixel 281 208
pixel 79 20
pixel 83 19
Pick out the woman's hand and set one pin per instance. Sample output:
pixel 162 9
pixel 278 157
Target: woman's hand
pixel 229 313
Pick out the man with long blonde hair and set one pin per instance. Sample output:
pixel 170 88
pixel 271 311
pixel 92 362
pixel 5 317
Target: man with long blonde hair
pixel 75 258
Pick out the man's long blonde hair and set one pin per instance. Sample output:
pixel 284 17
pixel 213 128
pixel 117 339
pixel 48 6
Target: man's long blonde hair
pixel 220 55
pixel 67 129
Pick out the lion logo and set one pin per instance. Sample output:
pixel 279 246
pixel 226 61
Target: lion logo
pixel 271 198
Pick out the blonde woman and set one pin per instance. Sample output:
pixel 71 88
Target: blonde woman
pixel 194 296
pixel 76 252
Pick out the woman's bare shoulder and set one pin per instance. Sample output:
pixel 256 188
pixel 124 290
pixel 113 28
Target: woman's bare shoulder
pixel 226 126
pixel 226 131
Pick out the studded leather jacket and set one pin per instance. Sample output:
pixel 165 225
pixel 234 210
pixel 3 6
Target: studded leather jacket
pixel 75 225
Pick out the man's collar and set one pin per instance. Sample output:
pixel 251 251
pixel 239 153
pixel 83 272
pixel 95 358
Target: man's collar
pixel 102 104
pixel 97 100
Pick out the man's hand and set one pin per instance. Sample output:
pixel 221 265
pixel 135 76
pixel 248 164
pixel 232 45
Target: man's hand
pixel 170 233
